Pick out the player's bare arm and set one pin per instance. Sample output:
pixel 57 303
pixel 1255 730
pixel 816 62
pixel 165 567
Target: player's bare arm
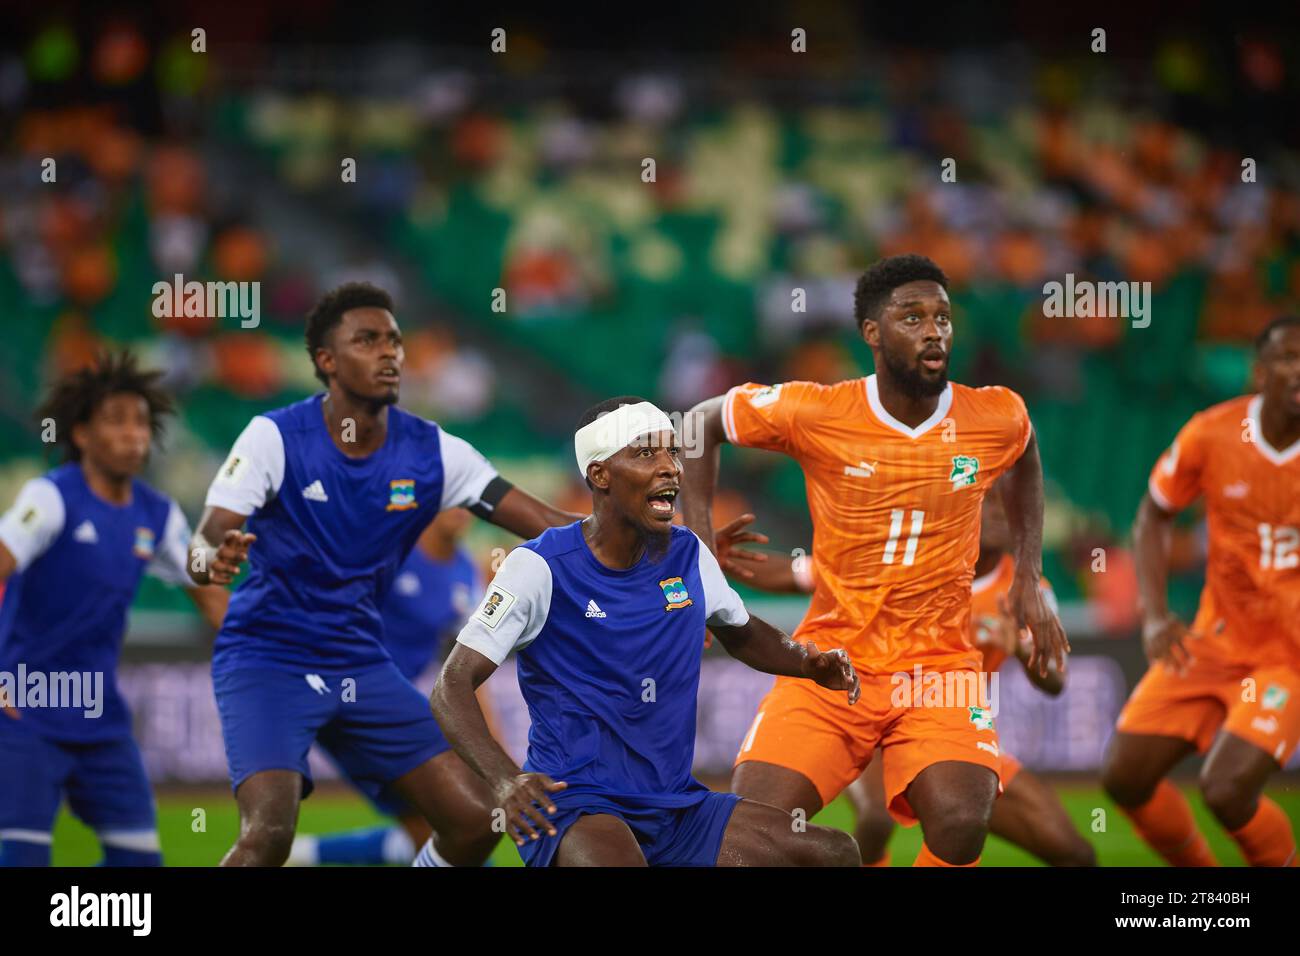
pixel 1022 496
pixel 8 563
pixel 700 472
pixel 523 796
pixel 1163 634
pixel 219 563
pixel 211 601
pixel 527 516
pixel 768 649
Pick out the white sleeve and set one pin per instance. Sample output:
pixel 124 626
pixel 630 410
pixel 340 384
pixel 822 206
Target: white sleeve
pixel 171 556
pixel 35 520
pixel 253 473
pixel 514 609
pixel 465 473
pixel 722 605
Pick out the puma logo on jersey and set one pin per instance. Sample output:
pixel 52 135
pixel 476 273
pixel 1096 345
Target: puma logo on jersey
pixel 1238 489
pixel 593 610
pixel 863 470
pixel 315 492
pixel 1265 725
pixel 86 533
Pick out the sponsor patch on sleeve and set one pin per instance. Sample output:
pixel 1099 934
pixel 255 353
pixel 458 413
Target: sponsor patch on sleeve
pixel 234 469
pixel 30 519
pixel 495 605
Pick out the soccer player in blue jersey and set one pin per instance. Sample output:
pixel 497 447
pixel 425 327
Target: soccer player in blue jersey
pixel 608 615
pixel 335 489
pixel 73 548
pixel 434 592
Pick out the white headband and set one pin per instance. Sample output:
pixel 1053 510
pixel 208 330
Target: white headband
pixel 600 439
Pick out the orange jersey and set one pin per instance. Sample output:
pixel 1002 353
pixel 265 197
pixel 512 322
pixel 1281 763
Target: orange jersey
pixel 1250 606
pixel 895 510
pixel 985 593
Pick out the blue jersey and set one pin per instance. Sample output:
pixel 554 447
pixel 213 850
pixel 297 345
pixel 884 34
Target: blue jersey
pixel 609 660
pixel 80 560
pixel 429 600
pixel 332 532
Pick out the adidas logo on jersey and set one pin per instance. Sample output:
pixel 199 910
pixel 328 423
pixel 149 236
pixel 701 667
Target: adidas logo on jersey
pixel 593 610
pixel 315 492
pixel 86 533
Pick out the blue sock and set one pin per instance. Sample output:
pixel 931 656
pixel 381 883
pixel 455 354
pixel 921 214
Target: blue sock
pixel 24 853
pixel 117 856
pixel 355 846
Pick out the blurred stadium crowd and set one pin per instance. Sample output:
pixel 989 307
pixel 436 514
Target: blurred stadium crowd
pixel 527 175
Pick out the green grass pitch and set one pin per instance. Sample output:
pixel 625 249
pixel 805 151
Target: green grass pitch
pixel 1117 844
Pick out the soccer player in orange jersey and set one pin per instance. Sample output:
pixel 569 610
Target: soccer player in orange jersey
pixel 897 465
pixel 1028 814
pixel 1230 686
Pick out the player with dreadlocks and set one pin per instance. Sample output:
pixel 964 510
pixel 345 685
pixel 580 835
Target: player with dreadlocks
pixel 73 548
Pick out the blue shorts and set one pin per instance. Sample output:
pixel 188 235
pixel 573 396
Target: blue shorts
pixel 104 782
pixel 383 797
pixel 676 836
pixel 269 719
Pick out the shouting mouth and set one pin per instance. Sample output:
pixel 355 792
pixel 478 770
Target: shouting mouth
pixel 390 375
pixel 663 502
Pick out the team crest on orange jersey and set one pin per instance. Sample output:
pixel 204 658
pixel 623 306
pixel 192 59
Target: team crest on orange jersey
pixel 675 593
pixel 401 494
pixel 964 470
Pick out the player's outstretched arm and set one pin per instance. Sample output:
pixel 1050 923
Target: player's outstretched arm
pixel 1163 634
pixel 522 796
pixel 1022 498
pixel 218 563
pixel 700 468
pixel 768 649
pixel 521 513
pixel 211 602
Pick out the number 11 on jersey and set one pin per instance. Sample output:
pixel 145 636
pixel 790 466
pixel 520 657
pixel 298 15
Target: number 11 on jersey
pixel 895 529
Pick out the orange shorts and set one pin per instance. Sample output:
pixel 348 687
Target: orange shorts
pixel 1255 705
pixel 1010 767
pixel 813 731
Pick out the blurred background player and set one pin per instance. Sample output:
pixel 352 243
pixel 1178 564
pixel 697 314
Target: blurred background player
pixel 896 468
pixel 1027 813
pixel 607 616
pixel 435 589
pixel 1230 686
pixel 336 489
pixel 73 548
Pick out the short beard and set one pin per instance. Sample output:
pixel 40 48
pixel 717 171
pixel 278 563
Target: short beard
pixel 908 378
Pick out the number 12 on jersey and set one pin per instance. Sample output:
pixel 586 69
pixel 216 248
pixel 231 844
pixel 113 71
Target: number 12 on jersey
pixel 895 529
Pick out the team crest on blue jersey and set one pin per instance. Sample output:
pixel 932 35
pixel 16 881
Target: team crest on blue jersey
pixel 143 547
pixel 675 593
pixel 401 494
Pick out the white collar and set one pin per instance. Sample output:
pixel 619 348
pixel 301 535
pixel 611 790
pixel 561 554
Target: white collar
pixel 1261 443
pixel 877 408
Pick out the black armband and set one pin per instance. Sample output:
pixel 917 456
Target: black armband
pixel 487 502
